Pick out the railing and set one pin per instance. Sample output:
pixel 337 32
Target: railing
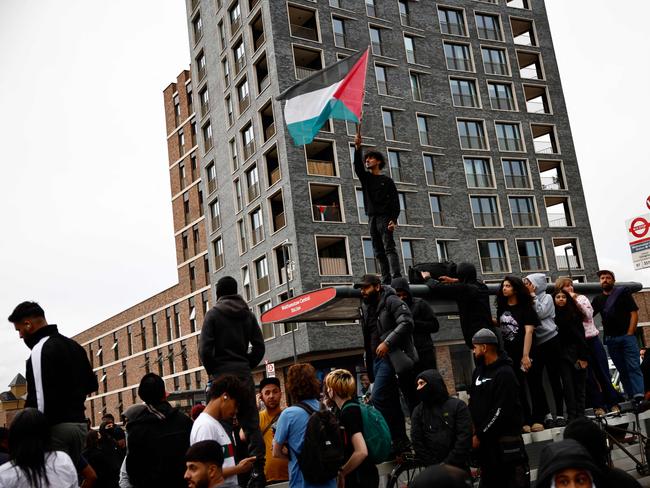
pixel 484 219
pixel 461 64
pixel 279 221
pixel 452 28
pixel 557 220
pixel 513 181
pixel 493 68
pixel 239 64
pixel 333 266
pixel 544 147
pixel 524 219
pixel 202 71
pixel 264 82
pixel 249 149
pixel 259 40
pixel 537 107
pixel 562 262
pixel 319 167
pixel 274 176
pixel 253 192
pixel 510 144
pixel 532 263
pixel 302 72
pixel 501 103
pixel 494 265
pixel 476 180
pixel 262 284
pixel 304 32
pixel 257 234
pixel 551 183
pixel 326 213
pixel 244 103
pixel 216 222
pixel 530 73
pixel 491 34
pixel 472 142
pixel 212 185
pixel 462 100
pixel 269 131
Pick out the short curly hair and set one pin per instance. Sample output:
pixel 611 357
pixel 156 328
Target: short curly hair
pixel 378 156
pixel 302 383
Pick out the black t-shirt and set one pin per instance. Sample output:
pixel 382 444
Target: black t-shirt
pixel 512 320
pixel 351 422
pixel 617 323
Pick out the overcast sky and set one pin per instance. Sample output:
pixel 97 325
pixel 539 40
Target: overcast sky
pixel 84 195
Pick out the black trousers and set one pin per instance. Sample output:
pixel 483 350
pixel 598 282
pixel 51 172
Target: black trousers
pixel 383 246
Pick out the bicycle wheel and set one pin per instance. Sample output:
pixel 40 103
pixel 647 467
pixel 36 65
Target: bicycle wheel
pixel 403 474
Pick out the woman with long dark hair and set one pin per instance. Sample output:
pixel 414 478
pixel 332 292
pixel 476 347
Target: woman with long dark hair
pixel 31 463
pixel 516 320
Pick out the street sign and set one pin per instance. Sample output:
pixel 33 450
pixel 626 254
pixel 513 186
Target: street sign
pixel 647 202
pixel 270 370
pixel 638 233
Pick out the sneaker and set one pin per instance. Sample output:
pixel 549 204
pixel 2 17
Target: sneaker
pixel 615 410
pixel 548 422
pixel 536 427
pixel 525 429
pixel 559 422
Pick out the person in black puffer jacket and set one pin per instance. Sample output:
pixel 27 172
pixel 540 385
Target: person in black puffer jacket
pixel 441 426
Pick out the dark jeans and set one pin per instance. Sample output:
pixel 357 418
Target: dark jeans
pixel 573 380
pixel 497 472
pixel 385 398
pixel 600 392
pixel 546 356
pixel 624 351
pixel 383 246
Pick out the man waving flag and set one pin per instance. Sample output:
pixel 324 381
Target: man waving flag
pixel 334 92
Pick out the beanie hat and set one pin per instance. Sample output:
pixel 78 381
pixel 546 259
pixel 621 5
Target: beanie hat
pixel 226 286
pixel 485 336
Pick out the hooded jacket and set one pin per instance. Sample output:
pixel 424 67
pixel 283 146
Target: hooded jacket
pixel 544 307
pixel 471 296
pixel 425 322
pixel 394 325
pixel 494 400
pixel 227 330
pixel 561 455
pixel 59 376
pixel 441 427
pixel 158 437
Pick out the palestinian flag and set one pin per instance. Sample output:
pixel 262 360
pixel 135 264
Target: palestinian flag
pixel 334 92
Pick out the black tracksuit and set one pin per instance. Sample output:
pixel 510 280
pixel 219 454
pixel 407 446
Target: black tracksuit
pixel 574 347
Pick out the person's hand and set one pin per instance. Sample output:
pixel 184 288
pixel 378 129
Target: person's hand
pixel 448 279
pixel 285 450
pixel 357 141
pixel 242 435
pixel 425 275
pixel 245 465
pixel 582 364
pixel 391 226
pixel 526 363
pixel 382 350
pixel 475 442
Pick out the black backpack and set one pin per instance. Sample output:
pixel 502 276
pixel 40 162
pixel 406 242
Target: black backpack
pixel 446 268
pixel 322 452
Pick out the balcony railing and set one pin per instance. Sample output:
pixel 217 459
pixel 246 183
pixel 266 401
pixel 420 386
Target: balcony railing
pixel 501 103
pixel 476 180
pixel 510 144
pixel 532 263
pixel 263 284
pixel 304 32
pixel 258 41
pixel 557 220
pixel 544 147
pixel 239 64
pixel 244 103
pixel 472 142
pixel 302 72
pixel 493 68
pixel 494 265
pixel 216 222
pixel 516 181
pixel 524 219
pixel 269 131
pixel 540 107
pixel 460 64
pixel 326 213
pixel 491 34
pixel 264 83
pixel 452 28
pixel 483 219
pixel 562 262
pixel 551 183
pixel 279 221
pixel 333 266
pixel 253 191
pixel 249 149
pixel 319 167
pixel 212 185
pixel 274 176
pixel 257 234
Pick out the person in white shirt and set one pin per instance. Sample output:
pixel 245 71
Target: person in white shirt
pixel 30 463
pixel 223 397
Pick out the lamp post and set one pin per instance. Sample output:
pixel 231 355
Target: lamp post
pixel 566 255
pixel 285 255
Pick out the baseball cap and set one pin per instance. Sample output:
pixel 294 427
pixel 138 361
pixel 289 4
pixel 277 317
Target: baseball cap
pixel 485 336
pixel 269 381
pixel 368 279
pixel 605 271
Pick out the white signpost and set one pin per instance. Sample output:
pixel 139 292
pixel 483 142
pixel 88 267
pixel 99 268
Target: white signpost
pixel 270 370
pixel 638 233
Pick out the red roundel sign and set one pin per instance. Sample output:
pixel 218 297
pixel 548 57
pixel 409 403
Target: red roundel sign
pixel 289 309
pixel 639 227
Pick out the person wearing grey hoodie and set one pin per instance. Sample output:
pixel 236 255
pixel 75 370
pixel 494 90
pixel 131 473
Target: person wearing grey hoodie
pixel 546 351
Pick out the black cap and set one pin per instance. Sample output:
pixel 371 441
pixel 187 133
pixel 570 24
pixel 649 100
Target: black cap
pixel 269 381
pixel 368 279
pixel 605 271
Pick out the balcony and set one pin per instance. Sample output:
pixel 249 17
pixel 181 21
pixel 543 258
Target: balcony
pixel 257 235
pixel 333 266
pixel 494 265
pixel 279 221
pixel 258 41
pixel 302 73
pixel 215 222
pixel 551 183
pixel 304 32
pixel 264 83
pixel 532 263
pixel 249 149
pixel 557 220
pixel 244 103
pixel 524 219
pixel 326 213
pixel 483 219
pixel 322 168
pixel 269 131
pixel 253 191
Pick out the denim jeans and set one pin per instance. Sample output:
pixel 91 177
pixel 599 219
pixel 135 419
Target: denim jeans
pixel 624 351
pixel 385 398
pixel 383 246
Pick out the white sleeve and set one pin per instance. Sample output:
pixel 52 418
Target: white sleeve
pixel 124 482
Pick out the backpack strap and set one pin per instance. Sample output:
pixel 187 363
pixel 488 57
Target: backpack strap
pixel 305 407
pixel 273 420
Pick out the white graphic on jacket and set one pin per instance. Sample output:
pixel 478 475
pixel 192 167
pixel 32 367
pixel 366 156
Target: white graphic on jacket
pixel 509 326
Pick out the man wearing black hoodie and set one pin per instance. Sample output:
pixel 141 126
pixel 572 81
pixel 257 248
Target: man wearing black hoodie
pixel 497 416
pixel 471 295
pixel 229 327
pixel 441 427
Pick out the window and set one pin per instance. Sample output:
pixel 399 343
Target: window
pixel 302 22
pixel 523 212
pixel 436 210
pixel 442 247
pixel 531 254
pixel 339 32
pixel 248 141
pixel 407 253
pixel 523 32
pixel 509 137
pixel 516 173
pixel 530 65
pixel 361 208
pixel 488 27
pixel 239 54
pixel 186 207
pixel 115 347
pixel 567 253
pixel 225 67
pixel 282 259
pixel 375 41
pixel 458 57
pixel 246 283
pixel 262 275
pixel 211 173
pixel 229 110
pixel 257 32
pixel 372 266
pixel 307 61
pixel 501 97
pixel 257 226
pixel 493 256
pixel 404 15
pixel 332 255
pixel 201 65
pixel 182 175
pixel 494 61
pixel 196 239
pixel 552 175
pixel 222 35
pixel 243 95
pixel 129 340
pixel 239 201
pixel 177 321
pixel 389 125
pixel 485 211
pixel 409 46
pixel 241 237
pixel 472 134
pixel 478 172
pixel 234 158
pixel 523 4
pixel 395 166
pixel 268 121
pixel 272 163
pixel 544 139
pixel 325 203
pixel 424 130
pixel 463 93
pixel 278 218
pixel 558 211
pixel 452 21
pixel 371 8
pixel 320 158
pixel 430 169
pixel 537 99
pixel 268 330
pixel 204 100
pixel 380 76
pixel 207 137
pixel 235 17
pixel 177 111
pixel 416 89
pixel 154 330
pixel 403 209
pixel 217 246
pixel 168 325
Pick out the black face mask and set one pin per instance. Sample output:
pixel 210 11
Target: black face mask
pixel 425 394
